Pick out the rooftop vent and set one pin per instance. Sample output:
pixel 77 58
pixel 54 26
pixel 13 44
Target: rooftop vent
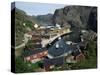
pixel 59 38
pixel 69 42
pixel 57 45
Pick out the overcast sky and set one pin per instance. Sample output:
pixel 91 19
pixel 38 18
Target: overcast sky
pixel 38 8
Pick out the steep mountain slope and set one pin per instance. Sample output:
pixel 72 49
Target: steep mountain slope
pixel 76 16
pixel 45 19
pixel 92 22
pixel 23 24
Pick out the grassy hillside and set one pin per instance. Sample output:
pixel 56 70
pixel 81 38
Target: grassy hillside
pixel 23 23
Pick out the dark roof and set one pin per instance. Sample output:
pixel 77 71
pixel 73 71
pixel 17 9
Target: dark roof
pixel 74 47
pixel 56 61
pixel 84 43
pixel 34 46
pixel 37 45
pixel 75 53
pixel 28 52
pixel 63 48
pixel 36 35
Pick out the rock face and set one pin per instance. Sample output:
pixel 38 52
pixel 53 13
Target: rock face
pixel 92 21
pixel 82 17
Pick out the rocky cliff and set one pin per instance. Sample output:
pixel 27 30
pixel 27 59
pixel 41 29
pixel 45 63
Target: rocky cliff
pixel 82 17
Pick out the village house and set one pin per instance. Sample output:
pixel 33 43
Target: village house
pixel 78 56
pixel 60 48
pixel 34 56
pixel 33 51
pixel 34 43
pixel 51 63
pixel 60 53
pixel 64 29
pixel 56 53
pixel 83 45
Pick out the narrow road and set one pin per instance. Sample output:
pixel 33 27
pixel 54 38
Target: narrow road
pixel 47 41
pixel 24 43
pixel 21 45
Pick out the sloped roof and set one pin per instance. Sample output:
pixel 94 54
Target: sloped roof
pixel 28 52
pixel 77 52
pixel 63 48
pixel 56 61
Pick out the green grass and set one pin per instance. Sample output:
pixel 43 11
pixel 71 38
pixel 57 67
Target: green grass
pixel 91 58
pixel 35 66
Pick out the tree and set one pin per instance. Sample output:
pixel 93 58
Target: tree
pixel 91 58
pixel 21 66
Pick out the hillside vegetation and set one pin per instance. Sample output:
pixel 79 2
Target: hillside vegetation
pixel 24 24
